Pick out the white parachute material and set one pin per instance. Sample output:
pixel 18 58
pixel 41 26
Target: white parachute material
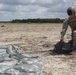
pixel 15 62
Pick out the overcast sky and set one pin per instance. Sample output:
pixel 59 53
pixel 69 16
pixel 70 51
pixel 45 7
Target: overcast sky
pixel 24 9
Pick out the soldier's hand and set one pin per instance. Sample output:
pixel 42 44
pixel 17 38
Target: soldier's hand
pixel 62 39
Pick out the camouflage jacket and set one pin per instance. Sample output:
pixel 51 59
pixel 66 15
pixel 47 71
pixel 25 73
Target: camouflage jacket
pixel 68 22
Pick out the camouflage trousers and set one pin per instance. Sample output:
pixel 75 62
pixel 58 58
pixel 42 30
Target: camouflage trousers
pixel 74 39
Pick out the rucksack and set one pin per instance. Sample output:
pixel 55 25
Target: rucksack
pixel 62 47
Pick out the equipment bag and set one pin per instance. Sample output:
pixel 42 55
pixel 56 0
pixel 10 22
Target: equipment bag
pixel 62 47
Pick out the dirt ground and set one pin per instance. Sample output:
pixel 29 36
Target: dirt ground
pixel 39 39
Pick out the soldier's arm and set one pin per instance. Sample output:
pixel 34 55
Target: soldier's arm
pixel 64 28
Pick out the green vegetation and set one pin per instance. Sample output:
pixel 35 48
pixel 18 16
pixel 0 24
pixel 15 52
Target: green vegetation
pixel 38 20
pixel 52 20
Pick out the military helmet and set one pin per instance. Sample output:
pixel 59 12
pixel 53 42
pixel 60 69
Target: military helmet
pixel 71 10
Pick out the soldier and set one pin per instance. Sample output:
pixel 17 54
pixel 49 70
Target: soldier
pixel 70 21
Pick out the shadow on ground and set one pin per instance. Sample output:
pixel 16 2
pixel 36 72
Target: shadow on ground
pixel 49 52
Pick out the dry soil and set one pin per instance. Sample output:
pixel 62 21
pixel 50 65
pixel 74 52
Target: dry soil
pixel 39 39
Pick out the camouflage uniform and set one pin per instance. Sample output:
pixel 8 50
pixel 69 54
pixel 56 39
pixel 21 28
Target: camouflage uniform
pixel 72 24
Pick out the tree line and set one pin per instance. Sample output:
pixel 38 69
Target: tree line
pixel 51 20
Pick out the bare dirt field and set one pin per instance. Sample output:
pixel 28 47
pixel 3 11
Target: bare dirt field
pixel 39 39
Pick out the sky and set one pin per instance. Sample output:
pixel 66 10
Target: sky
pixel 25 9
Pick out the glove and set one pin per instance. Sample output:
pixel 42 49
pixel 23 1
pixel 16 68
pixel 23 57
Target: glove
pixel 62 39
